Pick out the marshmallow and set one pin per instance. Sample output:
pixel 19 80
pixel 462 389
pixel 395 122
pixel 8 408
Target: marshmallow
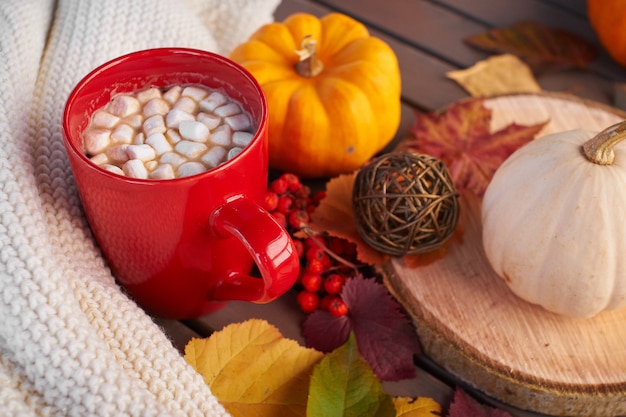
pixel 159 143
pixel 195 131
pixel 123 105
pixel 135 168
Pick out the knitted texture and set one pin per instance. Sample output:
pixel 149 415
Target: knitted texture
pixel 71 343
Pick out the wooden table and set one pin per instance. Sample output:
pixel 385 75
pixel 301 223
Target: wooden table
pixel 427 36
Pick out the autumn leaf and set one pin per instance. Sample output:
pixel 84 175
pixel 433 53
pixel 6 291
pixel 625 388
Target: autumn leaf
pixel 464 406
pixel 343 385
pixel 462 139
pixel 419 407
pixel 253 370
pixel 334 216
pixel 385 336
pixel 501 74
pixel 325 332
pixel 542 47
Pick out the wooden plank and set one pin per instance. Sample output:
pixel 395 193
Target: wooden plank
pixel 507 12
pixel 284 314
pixel 424 84
pixel 578 7
pixel 425 26
pixel 579 82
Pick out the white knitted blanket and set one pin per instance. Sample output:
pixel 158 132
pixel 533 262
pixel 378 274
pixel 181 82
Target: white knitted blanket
pixel 71 344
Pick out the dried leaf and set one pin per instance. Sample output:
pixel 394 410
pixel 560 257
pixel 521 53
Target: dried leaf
pixel 500 74
pixel 334 215
pixel 462 139
pixel 420 407
pixel 540 46
pixel 325 332
pixel 344 385
pixel 465 406
pixel 385 335
pixel 253 370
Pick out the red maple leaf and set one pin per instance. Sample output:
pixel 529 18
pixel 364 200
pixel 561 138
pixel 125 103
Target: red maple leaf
pixel 462 139
pixel 465 406
pixel 385 336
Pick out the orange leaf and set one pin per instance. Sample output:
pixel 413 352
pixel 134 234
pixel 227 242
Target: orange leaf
pixel 334 216
pixel 416 407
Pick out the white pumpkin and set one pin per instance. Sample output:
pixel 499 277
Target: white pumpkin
pixel 554 222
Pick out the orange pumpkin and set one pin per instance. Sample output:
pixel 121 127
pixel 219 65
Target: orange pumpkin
pixel 333 92
pixel 608 19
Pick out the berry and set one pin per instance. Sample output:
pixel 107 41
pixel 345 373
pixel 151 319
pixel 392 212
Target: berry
pixel 337 307
pixel 314 252
pixel 298 218
pixel 285 203
pixel 293 182
pixel 333 283
pixel 318 196
pixel 315 266
pixel 313 242
pixel 299 247
pixel 270 201
pixel 311 282
pixel 325 302
pixel 279 186
pixel 301 203
pixel 280 218
pixel 304 191
pixel 308 301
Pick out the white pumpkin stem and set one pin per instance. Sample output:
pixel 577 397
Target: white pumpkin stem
pixel 309 65
pixel 599 149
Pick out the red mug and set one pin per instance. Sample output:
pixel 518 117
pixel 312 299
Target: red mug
pixel 182 247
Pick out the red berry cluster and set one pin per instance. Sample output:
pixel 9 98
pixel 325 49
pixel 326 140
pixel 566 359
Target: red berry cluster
pixel 326 261
pixel 290 201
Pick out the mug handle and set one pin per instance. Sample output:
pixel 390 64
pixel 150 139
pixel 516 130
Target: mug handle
pixel 270 246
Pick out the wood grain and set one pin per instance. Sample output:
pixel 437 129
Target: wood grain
pixel 472 325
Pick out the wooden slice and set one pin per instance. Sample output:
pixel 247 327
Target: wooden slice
pixel 473 326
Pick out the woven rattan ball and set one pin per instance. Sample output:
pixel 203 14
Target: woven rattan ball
pixel 405 203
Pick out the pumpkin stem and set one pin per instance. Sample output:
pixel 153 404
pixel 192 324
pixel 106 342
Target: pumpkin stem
pixel 599 149
pixel 309 65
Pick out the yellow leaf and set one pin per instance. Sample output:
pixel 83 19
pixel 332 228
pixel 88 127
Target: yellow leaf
pixel 253 370
pixel 420 407
pixel 501 74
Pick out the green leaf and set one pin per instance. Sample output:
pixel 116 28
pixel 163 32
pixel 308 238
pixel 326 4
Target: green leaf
pixel 343 385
